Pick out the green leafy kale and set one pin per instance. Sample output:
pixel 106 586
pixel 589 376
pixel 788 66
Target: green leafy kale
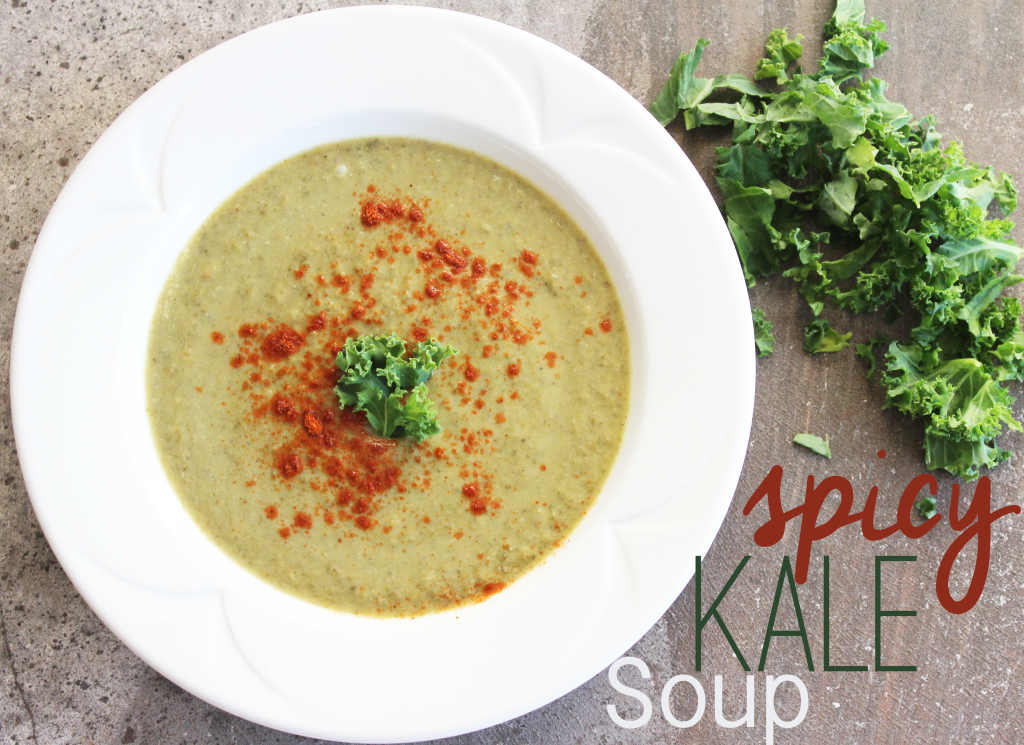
pixel 926 506
pixel 904 221
pixel 820 337
pixel 764 339
pixel 867 353
pixel 815 443
pixel 377 379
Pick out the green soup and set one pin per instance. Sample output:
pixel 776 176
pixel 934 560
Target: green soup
pixel 384 236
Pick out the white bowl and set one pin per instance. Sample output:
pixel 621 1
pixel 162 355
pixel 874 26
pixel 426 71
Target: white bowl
pixel 78 358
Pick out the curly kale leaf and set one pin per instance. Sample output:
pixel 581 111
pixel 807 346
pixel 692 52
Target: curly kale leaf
pixel 820 337
pixel 764 339
pixel 815 443
pixel 780 50
pixel 926 507
pixel 963 406
pixel 867 353
pixel 389 388
pixel 908 220
pixel 850 46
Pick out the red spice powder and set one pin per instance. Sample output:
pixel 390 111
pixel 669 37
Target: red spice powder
pixel 551 357
pixel 282 343
pixel 302 521
pixel 290 465
pixel 478 506
pixel 284 409
pixel 451 258
pixel 471 490
pixel 374 213
pixel 376 210
pixel 527 263
pixel 270 511
pixel 513 369
pixel 606 325
pixel 317 322
pixel 312 424
pixel 217 337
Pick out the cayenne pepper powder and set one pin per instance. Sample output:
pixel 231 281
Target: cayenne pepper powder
pixel 285 409
pixel 312 424
pixel 317 322
pixel 290 465
pixel 451 258
pixel 374 213
pixel 282 343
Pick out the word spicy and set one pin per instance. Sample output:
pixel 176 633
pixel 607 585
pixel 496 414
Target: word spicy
pixel 975 523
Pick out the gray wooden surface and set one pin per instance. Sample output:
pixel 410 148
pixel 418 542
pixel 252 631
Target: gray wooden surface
pixel 68 67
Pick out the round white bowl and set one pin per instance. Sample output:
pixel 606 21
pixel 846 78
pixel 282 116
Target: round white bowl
pixel 167 162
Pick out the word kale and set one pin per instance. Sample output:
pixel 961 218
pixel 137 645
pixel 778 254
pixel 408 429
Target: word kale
pixel 391 390
pixel 904 226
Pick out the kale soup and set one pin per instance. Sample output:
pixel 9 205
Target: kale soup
pixel 279 348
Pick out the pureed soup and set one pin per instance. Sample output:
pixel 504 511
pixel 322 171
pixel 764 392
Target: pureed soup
pixel 388 236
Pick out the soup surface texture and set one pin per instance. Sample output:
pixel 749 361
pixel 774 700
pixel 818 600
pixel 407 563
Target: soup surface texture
pixel 382 236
